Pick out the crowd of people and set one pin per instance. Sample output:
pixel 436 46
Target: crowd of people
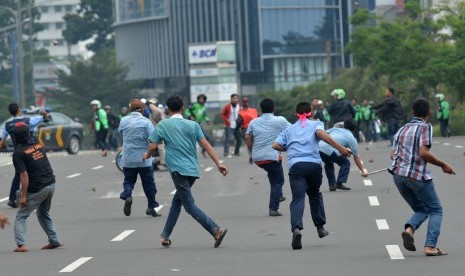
pixel 323 135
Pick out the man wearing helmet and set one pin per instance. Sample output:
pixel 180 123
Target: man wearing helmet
pixel 341 109
pixel 443 114
pixel 100 126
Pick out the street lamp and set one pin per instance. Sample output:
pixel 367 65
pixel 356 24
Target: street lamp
pixel 18 26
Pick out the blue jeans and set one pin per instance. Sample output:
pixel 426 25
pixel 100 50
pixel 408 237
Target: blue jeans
pixel 276 178
pixel 40 201
pixel 15 184
pixel 148 184
pixel 183 197
pixel 228 134
pixel 424 201
pixel 305 178
pixel 344 170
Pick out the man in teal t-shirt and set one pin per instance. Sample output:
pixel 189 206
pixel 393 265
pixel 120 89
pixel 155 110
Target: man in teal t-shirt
pixel 180 137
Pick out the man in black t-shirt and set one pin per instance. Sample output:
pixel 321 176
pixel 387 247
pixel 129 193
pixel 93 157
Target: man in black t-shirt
pixel 37 188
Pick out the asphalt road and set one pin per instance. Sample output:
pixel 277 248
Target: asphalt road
pixel 364 236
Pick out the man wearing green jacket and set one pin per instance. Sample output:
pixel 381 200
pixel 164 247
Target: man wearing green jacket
pixel 443 114
pixel 198 112
pixel 100 126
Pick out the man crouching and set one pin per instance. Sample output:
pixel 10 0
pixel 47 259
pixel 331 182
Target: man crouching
pixel 37 188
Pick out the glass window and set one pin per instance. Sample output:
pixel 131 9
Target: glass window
pixel 59 119
pixel 46 43
pixel 45 26
pixel 139 9
pixel 44 9
pixel 289 3
pixel 69 8
pixel 58 8
pixel 59 42
pixel 59 25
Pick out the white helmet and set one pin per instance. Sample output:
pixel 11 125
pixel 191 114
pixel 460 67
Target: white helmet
pixel 97 103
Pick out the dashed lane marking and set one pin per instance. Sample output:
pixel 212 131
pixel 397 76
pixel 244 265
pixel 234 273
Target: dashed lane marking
pixel 3 199
pixel 76 264
pixel 157 209
pixel 459 146
pixel 394 252
pixel 367 182
pixel 6 164
pixel 98 167
pixel 209 169
pixel 382 224
pixel 173 192
pixel 73 175
pixel 447 144
pixel 123 235
pixel 373 200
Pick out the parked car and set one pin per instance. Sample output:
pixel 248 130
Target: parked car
pixel 59 132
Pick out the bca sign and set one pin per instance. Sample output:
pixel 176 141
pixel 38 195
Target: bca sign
pixel 203 54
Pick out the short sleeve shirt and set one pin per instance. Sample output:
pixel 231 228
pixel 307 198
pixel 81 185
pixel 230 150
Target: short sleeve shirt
pixel 180 137
pixel 342 136
pixel 301 142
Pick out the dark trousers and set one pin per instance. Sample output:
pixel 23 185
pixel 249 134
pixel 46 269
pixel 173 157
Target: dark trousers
pixel 393 126
pixel 305 178
pixel 14 187
pixel 344 170
pixel 229 133
pixel 148 184
pixel 444 126
pixel 276 178
pixel 101 139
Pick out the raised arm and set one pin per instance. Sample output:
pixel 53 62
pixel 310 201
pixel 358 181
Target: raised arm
pixel 329 140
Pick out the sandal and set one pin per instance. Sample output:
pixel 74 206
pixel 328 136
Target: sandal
pixel 21 248
pixel 220 238
pixel 408 241
pixel 439 252
pixel 165 242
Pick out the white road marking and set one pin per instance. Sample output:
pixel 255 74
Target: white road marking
pixel 98 167
pixel 394 252
pixel 73 175
pixel 459 146
pixel 382 224
pixel 76 264
pixel 221 161
pixel 4 199
pixel 173 192
pixel 123 235
pixel 6 164
pixel 113 161
pixel 157 209
pixel 373 200
pixel 447 144
pixel 209 169
pixel 367 182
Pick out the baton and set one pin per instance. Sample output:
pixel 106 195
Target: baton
pixel 378 171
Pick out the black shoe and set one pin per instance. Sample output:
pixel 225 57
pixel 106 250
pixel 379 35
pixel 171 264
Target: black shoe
pixel 276 213
pixel 332 188
pixel 127 206
pixel 282 199
pixel 342 187
pixel 322 232
pixel 12 204
pixel 296 239
pixel 152 212
pixel 237 154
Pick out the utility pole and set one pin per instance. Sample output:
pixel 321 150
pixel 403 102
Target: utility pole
pixel 19 33
pixel 31 45
pixel 328 60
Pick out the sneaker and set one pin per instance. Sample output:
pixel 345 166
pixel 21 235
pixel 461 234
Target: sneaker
pixel 274 213
pixel 332 188
pixel 282 199
pixel 152 212
pixel 127 206
pixel 12 204
pixel 342 187
pixel 296 239
pixel 237 154
pixel 322 232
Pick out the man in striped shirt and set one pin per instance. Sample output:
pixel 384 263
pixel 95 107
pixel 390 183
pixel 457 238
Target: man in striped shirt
pixel 410 154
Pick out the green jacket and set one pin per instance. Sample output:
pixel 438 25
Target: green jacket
pixel 358 113
pixel 366 113
pixel 100 119
pixel 444 110
pixel 198 111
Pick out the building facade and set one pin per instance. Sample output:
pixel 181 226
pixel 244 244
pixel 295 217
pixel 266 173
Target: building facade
pixel 279 43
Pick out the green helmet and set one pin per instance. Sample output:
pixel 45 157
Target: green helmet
pixel 440 96
pixel 339 93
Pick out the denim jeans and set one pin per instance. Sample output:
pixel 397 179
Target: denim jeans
pixel 305 178
pixel 393 126
pixel 228 134
pixel 183 197
pixel 344 170
pixel 276 178
pixel 41 202
pixel 148 184
pixel 424 201
pixel 444 127
pixel 15 184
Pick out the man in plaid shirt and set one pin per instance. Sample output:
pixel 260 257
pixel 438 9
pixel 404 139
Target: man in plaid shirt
pixel 410 154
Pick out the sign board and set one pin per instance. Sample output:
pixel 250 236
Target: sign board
pixel 203 54
pixel 204 72
pixel 45 71
pixel 214 92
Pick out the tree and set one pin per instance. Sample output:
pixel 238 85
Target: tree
pixel 101 77
pixel 94 18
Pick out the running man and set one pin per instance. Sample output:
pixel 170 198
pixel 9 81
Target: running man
pixel 180 137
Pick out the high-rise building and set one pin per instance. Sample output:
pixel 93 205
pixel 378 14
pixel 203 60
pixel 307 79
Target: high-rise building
pixel 279 43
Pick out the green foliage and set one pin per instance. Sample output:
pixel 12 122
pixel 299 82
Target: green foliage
pixel 94 17
pixel 102 78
